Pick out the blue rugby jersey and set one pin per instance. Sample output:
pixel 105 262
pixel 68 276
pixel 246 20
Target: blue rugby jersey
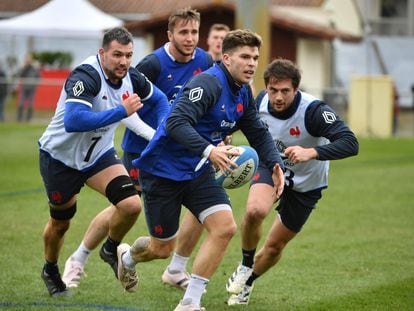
pixel 169 76
pixel 207 108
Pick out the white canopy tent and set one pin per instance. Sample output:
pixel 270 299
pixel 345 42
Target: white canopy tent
pixel 74 26
pixel 61 18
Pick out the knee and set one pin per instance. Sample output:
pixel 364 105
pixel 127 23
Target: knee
pixel 60 226
pixel 130 207
pixel 275 249
pixel 255 212
pixel 227 231
pixel 121 192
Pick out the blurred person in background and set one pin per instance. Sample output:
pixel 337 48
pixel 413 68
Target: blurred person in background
pixel 215 40
pixel 3 92
pixel 29 77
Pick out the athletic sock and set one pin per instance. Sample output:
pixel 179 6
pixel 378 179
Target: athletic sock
pixel 81 254
pixel 110 245
pixel 248 257
pixel 51 267
pixel 178 263
pixel 195 289
pixel 251 279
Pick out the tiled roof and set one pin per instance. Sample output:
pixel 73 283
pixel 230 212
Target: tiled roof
pixel 149 12
pixel 141 6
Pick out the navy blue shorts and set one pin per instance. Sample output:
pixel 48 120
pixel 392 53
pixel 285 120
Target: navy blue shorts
pixel 294 207
pixel 133 172
pixel 63 182
pixel 163 199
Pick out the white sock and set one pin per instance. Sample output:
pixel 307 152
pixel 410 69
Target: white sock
pixel 178 263
pixel 195 289
pixel 128 261
pixel 81 254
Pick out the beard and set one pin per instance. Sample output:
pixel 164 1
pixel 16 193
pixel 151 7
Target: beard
pixel 181 51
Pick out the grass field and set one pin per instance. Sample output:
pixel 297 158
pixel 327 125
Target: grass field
pixel 355 253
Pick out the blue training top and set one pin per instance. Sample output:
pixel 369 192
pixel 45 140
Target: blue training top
pixel 207 108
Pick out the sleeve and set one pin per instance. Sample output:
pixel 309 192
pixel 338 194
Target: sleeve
pixel 150 66
pixel 259 98
pixel 139 127
pixel 142 86
pixel 153 97
pixel 81 87
pixel 322 121
pixel 258 136
pixel 159 102
pixel 187 110
pixel 210 61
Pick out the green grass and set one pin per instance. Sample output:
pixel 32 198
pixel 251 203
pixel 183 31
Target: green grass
pixel 355 253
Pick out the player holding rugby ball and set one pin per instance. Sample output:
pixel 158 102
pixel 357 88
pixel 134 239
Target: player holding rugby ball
pixel 207 108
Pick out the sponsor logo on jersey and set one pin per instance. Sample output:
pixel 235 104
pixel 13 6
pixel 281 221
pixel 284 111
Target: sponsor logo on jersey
pixel 78 88
pixel 195 94
pixel 225 123
pixel 176 89
pixel 280 146
pixel 329 117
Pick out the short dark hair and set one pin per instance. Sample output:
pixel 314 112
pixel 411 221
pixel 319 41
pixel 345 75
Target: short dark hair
pixel 282 69
pixel 120 34
pixel 186 14
pixel 241 37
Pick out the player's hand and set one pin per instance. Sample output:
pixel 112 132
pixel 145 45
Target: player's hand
pixel 278 178
pixel 298 154
pixel 132 103
pixel 220 156
pixel 227 140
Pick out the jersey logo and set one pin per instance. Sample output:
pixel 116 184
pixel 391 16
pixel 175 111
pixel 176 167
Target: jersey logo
pixel 125 95
pixel 256 177
pixel 239 107
pixel 195 94
pixel 158 229
pixel 294 131
pixel 329 117
pixel 169 77
pixel 197 71
pixel 78 88
pixel 56 196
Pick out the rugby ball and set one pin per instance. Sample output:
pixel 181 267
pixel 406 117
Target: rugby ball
pixel 247 163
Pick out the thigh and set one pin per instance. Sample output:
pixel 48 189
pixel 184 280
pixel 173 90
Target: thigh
pixel 61 182
pixel 106 169
pixel 295 207
pixel 261 192
pixel 162 204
